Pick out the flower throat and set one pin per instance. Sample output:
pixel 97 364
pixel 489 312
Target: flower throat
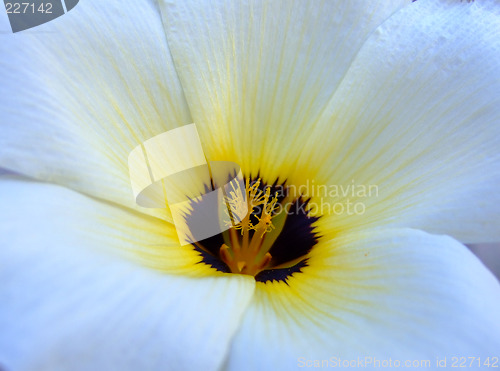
pixel 269 238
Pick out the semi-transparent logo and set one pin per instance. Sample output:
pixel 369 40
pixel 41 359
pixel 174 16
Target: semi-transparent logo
pixel 170 171
pixel 31 13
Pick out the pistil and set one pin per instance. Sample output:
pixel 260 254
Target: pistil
pixel 246 254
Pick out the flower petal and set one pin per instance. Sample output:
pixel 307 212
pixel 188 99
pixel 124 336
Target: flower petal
pixel 80 92
pixel 67 301
pixel 400 294
pixel 257 73
pixel 417 116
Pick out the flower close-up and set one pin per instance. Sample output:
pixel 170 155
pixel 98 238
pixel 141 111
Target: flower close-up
pixel 250 185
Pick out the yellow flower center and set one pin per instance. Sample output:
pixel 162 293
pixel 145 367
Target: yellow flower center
pixel 246 254
pixel 266 230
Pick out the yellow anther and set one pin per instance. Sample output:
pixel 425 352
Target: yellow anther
pixel 241 265
pixel 245 255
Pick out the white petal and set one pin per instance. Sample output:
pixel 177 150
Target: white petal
pixel 400 294
pixel 418 115
pixel 257 73
pixel 69 301
pixel 80 92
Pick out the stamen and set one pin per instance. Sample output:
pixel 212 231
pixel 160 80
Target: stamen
pixel 258 240
pixel 246 255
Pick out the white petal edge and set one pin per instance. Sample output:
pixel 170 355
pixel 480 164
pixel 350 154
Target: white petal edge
pixel 386 294
pixel 256 74
pixel 68 301
pixel 417 116
pixel 80 92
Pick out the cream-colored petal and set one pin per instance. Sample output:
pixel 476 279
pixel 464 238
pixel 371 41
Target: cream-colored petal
pixel 258 74
pixel 69 301
pixel 386 294
pixel 418 117
pixel 80 92
pixel 143 239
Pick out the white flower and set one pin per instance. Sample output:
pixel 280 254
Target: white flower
pixel 402 96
